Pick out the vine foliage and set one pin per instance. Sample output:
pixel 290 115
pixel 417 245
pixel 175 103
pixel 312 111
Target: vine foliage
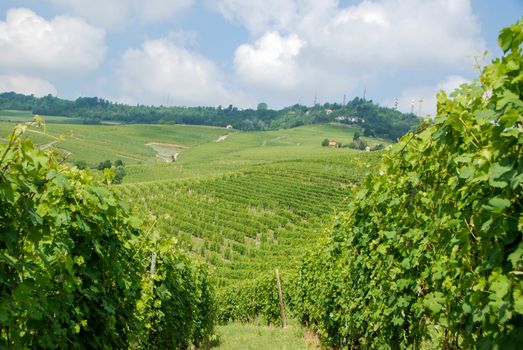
pixel 74 264
pixel 431 249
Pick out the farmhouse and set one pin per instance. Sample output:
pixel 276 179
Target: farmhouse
pixel 229 126
pixel 333 143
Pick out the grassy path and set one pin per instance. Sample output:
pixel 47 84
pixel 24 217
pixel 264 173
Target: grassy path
pixel 252 337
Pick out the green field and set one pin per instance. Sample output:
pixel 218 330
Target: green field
pixel 14 116
pixel 149 150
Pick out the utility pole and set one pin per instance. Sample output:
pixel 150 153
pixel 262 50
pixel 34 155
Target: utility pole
pixel 364 93
pixel 412 106
pixel 315 99
pixel 344 99
pixel 419 110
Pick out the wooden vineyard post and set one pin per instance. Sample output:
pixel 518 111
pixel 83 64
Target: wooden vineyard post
pixel 153 264
pixel 280 297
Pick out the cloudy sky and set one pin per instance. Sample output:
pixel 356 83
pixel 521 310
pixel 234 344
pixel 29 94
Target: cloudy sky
pixel 241 52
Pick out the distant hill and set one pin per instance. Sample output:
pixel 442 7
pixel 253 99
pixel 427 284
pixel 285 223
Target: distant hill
pixel 374 120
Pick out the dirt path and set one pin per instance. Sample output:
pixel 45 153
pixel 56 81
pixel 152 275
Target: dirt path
pixel 167 145
pixel 48 145
pixel 223 137
pixel 128 157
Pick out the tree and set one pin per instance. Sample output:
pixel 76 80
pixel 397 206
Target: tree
pixel 367 132
pixel 262 106
pixel 105 165
pixel 118 162
pixel 325 142
pixel 356 136
pixel 119 174
pixel 81 164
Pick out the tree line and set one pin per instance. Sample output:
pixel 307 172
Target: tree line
pixel 373 119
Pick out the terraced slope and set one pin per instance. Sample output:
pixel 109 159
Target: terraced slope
pixel 253 220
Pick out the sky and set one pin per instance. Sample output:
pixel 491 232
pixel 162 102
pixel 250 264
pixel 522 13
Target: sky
pixel 242 52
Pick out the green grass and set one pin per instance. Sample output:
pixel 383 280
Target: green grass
pixel 251 148
pixel 14 116
pixel 197 152
pixel 96 143
pixel 237 336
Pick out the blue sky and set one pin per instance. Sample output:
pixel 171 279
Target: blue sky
pixel 204 52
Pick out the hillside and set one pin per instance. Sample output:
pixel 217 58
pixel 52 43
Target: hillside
pixel 232 200
pixel 148 151
pixel 252 220
pixel 422 249
pixel 373 118
pixel 244 202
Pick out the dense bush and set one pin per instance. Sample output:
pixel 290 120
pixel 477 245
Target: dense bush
pixel 74 265
pixel 431 248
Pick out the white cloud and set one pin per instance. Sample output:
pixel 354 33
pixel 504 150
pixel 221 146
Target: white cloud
pixel 270 62
pixel 163 72
pixel 26 85
pixel 31 45
pixel 422 99
pixel 350 47
pixel 403 34
pixel 118 13
pixel 257 16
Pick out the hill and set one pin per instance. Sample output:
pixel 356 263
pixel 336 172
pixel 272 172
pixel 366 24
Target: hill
pixel 255 219
pixel 374 119
pixel 148 151
pixel 245 202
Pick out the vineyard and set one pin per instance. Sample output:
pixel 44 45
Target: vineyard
pixel 248 223
pixel 416 246
pixel 76 268
pixel 245 205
